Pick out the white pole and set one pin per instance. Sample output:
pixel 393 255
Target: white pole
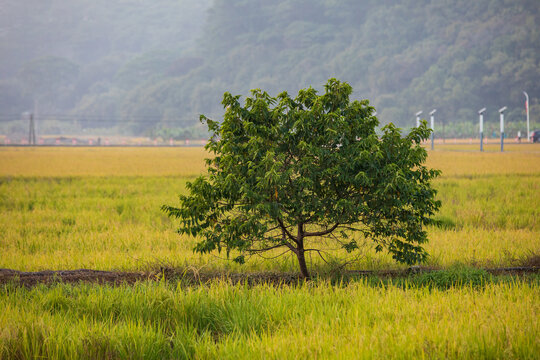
pixel 481 113
pixel 418 118
pixel 501 111
pixel 481 123
pixel 527 109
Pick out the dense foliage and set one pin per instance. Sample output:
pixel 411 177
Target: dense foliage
pixel 142 63
pixel 286 170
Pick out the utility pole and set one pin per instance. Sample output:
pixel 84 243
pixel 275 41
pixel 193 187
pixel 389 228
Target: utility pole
pixel 527 109
pixel 432 115
pixel 32 131
pixel 501 112
pixel 481 114
pixel 418 118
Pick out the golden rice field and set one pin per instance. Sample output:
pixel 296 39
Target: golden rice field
pixel 99 208
pixel 101 161
pixel 70 208
pixel 188 161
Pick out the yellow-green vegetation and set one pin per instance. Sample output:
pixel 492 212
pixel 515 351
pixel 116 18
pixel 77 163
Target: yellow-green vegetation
pixel 116 223
pixel 520 159
pixel 58 216
pixel 487 220
pixel 101 161
pixel 360 320
pixel 490 213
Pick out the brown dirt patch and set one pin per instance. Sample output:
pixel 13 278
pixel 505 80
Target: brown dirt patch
pixel 68 276
pixel 193 277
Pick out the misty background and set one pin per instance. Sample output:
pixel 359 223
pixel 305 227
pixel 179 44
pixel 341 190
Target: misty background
pixel 150 67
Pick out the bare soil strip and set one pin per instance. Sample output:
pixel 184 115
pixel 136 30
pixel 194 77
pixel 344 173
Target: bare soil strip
pixel 68 276
pixel 30 279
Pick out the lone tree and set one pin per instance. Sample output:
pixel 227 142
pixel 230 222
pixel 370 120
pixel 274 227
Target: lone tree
pixel 288 171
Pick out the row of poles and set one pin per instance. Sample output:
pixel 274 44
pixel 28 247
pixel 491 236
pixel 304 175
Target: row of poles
pixel 32 131
pixel 481 120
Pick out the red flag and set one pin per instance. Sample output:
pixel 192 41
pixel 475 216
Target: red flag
pixel 526 105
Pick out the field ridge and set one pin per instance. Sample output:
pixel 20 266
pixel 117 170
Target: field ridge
pixel 190 276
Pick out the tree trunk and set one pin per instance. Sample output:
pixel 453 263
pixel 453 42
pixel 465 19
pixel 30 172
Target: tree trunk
pixel 302 262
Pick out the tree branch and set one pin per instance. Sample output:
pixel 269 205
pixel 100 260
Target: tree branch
pixel 285 231
pixel 318 252
pixel 322 233
pixel 273 257
pixel 266 249
pixel 272 229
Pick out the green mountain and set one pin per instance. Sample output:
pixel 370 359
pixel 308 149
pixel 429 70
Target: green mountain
pixel 161 63
pixel 405 56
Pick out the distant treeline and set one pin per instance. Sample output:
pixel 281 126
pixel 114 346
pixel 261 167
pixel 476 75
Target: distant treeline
pixel 112 63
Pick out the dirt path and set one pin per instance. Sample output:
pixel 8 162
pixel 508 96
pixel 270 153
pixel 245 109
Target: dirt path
pixel 30 279
pixel 69 276
pixel 119 277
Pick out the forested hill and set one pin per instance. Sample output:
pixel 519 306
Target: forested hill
pixel 454 55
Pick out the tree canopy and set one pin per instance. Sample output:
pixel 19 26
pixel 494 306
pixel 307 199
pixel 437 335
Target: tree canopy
pixel 288 171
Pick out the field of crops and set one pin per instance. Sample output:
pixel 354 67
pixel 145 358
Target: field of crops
pixel 99 208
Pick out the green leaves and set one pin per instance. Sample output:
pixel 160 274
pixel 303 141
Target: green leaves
pixel 289 169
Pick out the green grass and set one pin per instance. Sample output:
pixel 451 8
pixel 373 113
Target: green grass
pixel 314 320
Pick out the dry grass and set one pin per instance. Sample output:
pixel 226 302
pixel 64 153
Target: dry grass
pixel 101 161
